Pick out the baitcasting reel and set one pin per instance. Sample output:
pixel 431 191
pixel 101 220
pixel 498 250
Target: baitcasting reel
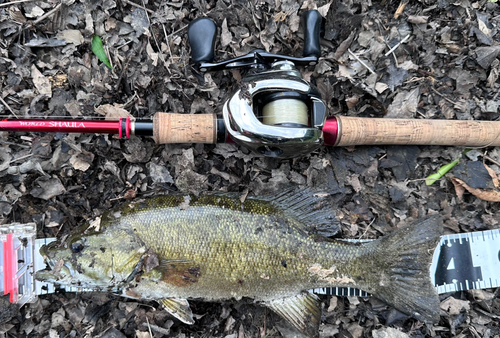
pixel 274 112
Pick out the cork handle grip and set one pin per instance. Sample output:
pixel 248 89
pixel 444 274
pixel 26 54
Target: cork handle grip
pixel 184 128
pixel 371 131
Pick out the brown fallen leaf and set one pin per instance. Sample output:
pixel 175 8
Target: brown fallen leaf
pixel 417 19
pixel 58 80
pixel 280 17
pixel 494 176
pixel 459 189
pixel 226 36
pixel 485 195
pixel 113 112
pixel 41 83
pixel 454 306
pixel 400 9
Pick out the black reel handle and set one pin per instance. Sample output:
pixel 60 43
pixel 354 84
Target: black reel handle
pixel 201 35
pixel 312 27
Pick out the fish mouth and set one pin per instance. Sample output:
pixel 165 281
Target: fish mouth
pixel 57 270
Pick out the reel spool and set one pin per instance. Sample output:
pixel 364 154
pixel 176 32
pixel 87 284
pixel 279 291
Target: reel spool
pixel 286 109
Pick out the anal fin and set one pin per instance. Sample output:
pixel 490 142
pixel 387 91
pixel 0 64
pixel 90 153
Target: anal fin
pixel 303 311
pixel 179 308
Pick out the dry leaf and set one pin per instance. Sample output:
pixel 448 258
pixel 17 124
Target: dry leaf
pixel 17 15
pixel 58 80
pixel 279 17
pixel 400 9
pixel 226 37
pixel 35 12
pixel 454 306
pixel 459 190
pixel 309 5
pixel 352 101
pixel 95 224
pixel 418 19
pixel 113 112
pixel 73 36
pixel 494 176
pixel 485 195
pixel 404 104
pixel 294 22
pixel 152 55
pixel 41 82
pixel 323 10
pixel 81 160
pixel 380 87
pixel 484 28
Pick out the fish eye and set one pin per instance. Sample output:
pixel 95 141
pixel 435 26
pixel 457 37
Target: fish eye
pixel 76 247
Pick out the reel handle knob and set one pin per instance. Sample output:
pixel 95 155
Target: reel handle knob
pixel 312 26
pixel 201 34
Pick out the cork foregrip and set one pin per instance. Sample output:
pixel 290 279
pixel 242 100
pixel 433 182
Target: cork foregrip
pixel 370 131
pixel 184 128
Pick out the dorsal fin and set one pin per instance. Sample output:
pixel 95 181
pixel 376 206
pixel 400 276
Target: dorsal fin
pixel 314 209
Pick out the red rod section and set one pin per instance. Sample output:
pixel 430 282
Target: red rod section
pixel 330 131
pixel 67 126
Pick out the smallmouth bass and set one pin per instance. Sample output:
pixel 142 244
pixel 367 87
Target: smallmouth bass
pixel 179 247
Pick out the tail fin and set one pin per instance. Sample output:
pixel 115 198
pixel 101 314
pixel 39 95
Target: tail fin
pixel 405 282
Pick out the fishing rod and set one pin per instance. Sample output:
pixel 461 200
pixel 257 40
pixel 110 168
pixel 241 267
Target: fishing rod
pixel 274 112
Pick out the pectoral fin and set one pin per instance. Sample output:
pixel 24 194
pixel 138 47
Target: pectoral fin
pixel 179 308
pixel 302 311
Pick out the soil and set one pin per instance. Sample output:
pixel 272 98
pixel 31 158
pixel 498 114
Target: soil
pixel 422 59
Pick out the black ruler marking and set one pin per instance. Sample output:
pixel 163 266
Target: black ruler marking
pixel 455 264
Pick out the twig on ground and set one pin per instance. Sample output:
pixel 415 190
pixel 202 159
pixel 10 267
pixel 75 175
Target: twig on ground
pixel 444 97
pixel 20 158
pixel 8 107
pixel 397 45
pixel 491 160
pixel 138 6
pixel 496 95
pixel 14 2
pixel 160 54
pixel 180 29
pixel 149 327
pixel 367 228
pixel 166 40
pixel 46 15
pixel 360 61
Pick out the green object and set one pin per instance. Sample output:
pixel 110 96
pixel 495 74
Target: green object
pixel 98 50
pixel 431 179
pixel 214 248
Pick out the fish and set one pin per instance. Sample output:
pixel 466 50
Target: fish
pixel 176 248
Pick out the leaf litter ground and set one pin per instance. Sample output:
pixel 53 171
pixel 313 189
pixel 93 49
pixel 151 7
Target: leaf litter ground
pixel 411 59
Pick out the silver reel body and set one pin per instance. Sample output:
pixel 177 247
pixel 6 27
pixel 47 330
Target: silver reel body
pixel 280 91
